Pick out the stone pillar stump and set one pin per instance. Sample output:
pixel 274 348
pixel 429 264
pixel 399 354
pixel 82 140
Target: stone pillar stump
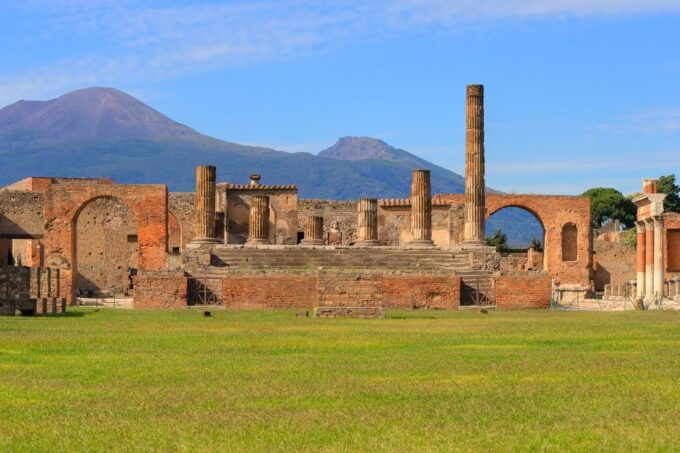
pixel 313 231
pixel 367 222
pixel 258 225
pixel 205 205
pixel 421 209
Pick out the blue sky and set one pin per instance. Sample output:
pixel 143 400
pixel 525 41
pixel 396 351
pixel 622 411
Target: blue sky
pixel 578 93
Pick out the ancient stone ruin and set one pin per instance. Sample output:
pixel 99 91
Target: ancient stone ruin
pixel 259 246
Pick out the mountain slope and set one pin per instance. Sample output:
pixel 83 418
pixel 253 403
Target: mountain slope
pixel 104 132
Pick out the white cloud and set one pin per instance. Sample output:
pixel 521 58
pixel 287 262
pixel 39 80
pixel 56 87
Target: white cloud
pixel 147 40
pixel 651 120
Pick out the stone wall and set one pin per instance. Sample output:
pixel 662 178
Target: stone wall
pixel 181 219
pixel 30 290
pixel 283 218
pixel 523 291
pixel 672 256
pixel 343 212
pixel 154 289
pixel 106 247
pixel 614 263
pixel 394 223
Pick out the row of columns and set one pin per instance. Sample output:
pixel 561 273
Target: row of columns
pixel 367 221
pixel 650 258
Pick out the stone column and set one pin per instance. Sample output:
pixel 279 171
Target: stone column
pixel 659 271
pixel 367 222
pixel 475 211
pixel 205 205
pixel 649 260
pixel 258 231
pixel 640 266
pixel 313 230
pixel 421 209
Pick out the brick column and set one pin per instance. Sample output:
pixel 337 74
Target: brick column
pixel 367 222
pixel 640 267
pixel 475 211
pixel 258 231
pixel 421 209
pixel 313 230
pixel 205 205
pixel 658 257
pixel 649 260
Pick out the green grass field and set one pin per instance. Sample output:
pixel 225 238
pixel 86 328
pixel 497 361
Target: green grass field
pixel 112 380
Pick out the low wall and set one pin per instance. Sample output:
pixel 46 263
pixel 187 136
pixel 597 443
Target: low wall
pixel 523 291
pixel 269 291
pixel 341 289
pixel 160 290
pixel 29 291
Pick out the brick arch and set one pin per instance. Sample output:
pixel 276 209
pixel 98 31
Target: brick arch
pixel 553 212
pixel 64 202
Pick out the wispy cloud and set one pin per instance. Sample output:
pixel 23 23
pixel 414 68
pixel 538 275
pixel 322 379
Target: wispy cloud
pixel 141 41
pixel 639 160
pixel 651 120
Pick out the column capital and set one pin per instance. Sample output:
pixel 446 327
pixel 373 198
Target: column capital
pixel 658 220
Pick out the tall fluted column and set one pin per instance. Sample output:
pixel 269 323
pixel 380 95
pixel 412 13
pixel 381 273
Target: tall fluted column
pixel 367 222
pixel 658 257
pixel 205 205
pixel 313 230
pixel 421 209
pixel 475 212
pixel 649 260
pixel 640 260
pixel 258 231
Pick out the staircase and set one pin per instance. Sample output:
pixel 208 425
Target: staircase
pixel 230 260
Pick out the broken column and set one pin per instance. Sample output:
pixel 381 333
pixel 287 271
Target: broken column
pixel 640 267
pixel 258 225
pixel 313 230
pixel 658 257
pixel 475 212
pixel 421 209
pixel 205 205
pixel 367 222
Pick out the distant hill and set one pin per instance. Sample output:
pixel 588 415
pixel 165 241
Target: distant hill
pixel 104 132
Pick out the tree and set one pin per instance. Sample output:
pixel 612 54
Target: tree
pixel 629 237
pixel 666 184
pixel 536 244
pixel 607 203
pixel 498 240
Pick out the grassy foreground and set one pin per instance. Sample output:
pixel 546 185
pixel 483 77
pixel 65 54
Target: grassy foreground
pixel 112 380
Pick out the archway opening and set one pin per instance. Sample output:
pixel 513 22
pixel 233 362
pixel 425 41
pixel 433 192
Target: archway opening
pixel 519 235
pixel 106 248
pixel 175 241
pixel 569 242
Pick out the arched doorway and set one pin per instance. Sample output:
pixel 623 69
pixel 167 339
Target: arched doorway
pixel 522 235
pixel 175 239
pixel 105 240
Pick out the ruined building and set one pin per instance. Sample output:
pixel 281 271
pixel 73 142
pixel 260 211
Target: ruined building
pixel 259 245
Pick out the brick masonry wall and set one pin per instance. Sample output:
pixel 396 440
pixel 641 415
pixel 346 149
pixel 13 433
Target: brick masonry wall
pixel 523 291
pixel 421 291
pixel 269 291
pixel 160 290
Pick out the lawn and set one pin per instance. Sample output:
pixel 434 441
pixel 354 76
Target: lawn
pixel 112 380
